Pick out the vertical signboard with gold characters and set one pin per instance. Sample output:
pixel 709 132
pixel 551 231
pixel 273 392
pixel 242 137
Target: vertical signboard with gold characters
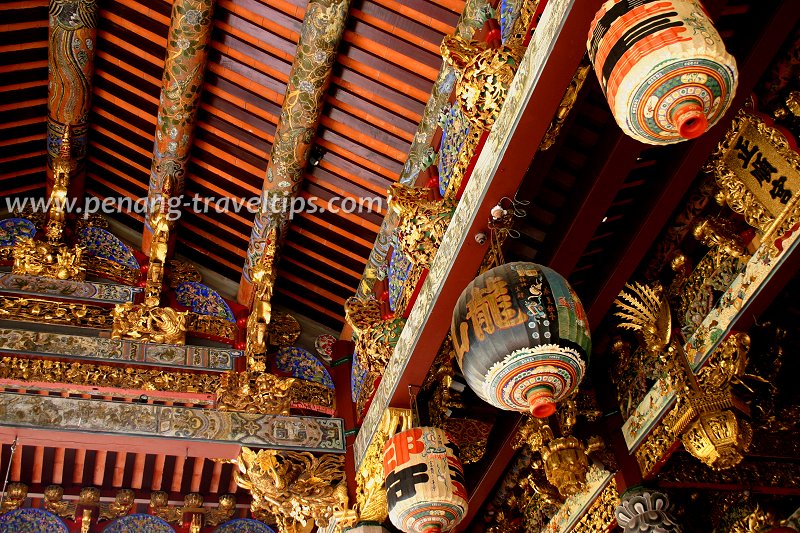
pixel 758 170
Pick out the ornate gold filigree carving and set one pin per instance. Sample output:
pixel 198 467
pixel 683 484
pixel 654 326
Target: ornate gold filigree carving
pixel 600 515
pixel 88 500
pixel 263 276
pixel 14 497
pixel 182 271
pixel 296 487
pixel 201 516
pixel 48 260
pixel 212 326
pixel 284 330
pixel 484 73
pixel 718 439
pixel 254 393
pixel 567 102
pixel 370 493
pixel 87 374
pixel 35 310
pixel 719 234
pixel 565 464
pixel 144 323
pixel 308 394
pixel 105 268
pixel 645 310
pixel 710 431
pixel 423 222
pixel 63 166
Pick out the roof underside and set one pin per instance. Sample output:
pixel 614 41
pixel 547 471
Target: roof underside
pixel 386 66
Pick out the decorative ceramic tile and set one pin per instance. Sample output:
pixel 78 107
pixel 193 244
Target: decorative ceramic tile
pixel 302 364
pixel 102 243
pixel 203 300
pixel 47 344
pixel 13 228
pixel 519 93
pixel 65 289
pixel 244 525
pixel 139 523
pixel 29 520
pixel 304 433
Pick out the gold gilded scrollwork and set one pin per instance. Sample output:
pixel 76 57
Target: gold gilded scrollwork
pixel 212 326
pixel 298 488
pixel 193 505
pixel 15 496
pixel 88 374
pixel 258 322
pixel 702 414
pixel 254 393
pixel 181 272
pixel 63 166
pixel 48 260
pixel 423 222
pixel 484 73
pixel 284 330
pixel 567 102
pixel 600 515
pixel 154 324
pixel 370 493
pixel 105 268
pixel 35 310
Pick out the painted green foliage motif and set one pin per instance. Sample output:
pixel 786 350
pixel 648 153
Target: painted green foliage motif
pixel 187 48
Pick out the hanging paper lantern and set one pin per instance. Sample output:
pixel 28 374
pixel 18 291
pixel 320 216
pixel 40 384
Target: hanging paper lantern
pixel 663 68
pixel 521 338
pixel 425 487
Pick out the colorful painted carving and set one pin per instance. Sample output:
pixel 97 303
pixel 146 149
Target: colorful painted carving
pixel 203 300
pixel 663 68
pixel 182 83
pixel 99 242
pixel 323 25
pixel 13 228
pixel 303 365
pixel 29 519
pixel 244 525
pixel 141 523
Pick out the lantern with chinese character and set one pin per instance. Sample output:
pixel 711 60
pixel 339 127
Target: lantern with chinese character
pixel 425 488
pixel 521 338
pixel 663 68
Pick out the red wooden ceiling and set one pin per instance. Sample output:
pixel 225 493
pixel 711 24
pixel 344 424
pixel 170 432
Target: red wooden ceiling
pixel 385 69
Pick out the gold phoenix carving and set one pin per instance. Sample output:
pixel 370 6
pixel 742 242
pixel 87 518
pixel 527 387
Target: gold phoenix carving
pixel 297 488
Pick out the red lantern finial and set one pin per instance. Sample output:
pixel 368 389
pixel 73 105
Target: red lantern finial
pixel 690 119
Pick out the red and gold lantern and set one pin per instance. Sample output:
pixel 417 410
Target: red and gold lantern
pixel 425 488
pixel 663 68
pixel 521 338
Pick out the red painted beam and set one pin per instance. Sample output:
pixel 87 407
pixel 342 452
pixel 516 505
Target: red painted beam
pixel 776 31
pixel 569 47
